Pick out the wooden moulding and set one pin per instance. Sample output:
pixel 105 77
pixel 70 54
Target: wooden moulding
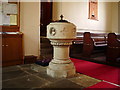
pixel 13 28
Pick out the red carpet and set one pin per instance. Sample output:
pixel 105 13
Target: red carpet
pixel 98 71
pixel 103 85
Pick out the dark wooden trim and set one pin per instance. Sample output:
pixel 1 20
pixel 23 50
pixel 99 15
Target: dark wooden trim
pixel 12 28
pixel 30 59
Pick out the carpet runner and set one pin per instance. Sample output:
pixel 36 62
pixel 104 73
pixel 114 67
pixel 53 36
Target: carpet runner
pixel 103 85
pixel 98 71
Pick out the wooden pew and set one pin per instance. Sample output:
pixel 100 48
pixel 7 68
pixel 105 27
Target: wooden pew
pixel 90 41
pixel 113 48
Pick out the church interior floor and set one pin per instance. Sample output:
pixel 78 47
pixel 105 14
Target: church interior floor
pixel 22 76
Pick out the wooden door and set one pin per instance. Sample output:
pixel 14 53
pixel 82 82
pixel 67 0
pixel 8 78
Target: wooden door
pixel 46 16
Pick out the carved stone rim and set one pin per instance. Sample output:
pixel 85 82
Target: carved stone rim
pixel 62 38
pixel 61 43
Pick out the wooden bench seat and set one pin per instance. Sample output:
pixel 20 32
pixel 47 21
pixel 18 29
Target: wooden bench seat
pixel 100 41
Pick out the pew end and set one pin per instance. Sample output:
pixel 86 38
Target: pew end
pixel 113 48
pixel 92 41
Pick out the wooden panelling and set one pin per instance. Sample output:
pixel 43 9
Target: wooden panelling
pixel 12 52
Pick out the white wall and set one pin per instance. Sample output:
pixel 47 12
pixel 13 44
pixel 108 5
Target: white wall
pixel 77 13
pixel 29 26
pixel 115 17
